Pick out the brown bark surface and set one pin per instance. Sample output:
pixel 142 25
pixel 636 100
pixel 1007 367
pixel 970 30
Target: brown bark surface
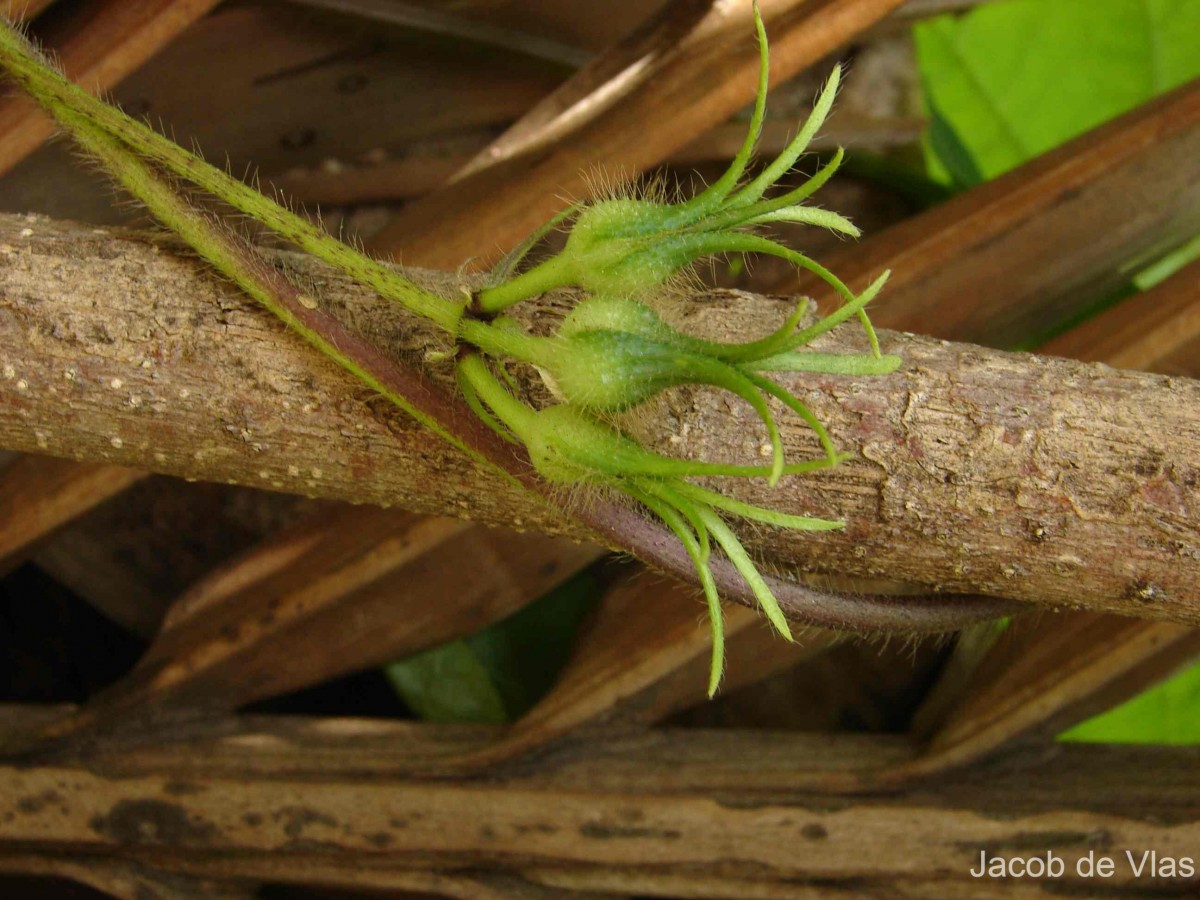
pixel 676 812
pixel 976 471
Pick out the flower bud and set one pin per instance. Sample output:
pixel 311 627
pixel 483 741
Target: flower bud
pixel 623 246
pixel 567 446
pixel 614 370
pixel 604 312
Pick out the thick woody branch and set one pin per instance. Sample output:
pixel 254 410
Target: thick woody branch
pixel 976 471
pixel 673 812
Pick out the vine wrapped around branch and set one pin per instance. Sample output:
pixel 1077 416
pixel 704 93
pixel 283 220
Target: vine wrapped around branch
pixel 1087 478
pixel 622 249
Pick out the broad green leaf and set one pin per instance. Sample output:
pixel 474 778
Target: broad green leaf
pixel 1011 80
pixel 496 674
pixel 1168 713
pixel 525 652
pixel 949 159
pixel 449 683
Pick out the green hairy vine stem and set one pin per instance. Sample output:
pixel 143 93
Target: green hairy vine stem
pixel 612 352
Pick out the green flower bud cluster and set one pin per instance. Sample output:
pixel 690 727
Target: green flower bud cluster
pixel 570 446
pixel 613 352
pixel 628 247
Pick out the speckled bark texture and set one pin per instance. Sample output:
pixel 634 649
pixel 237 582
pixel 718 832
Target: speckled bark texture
pixel 975 472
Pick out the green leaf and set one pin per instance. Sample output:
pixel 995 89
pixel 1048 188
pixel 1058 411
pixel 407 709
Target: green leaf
pixel 1168 713
pixel 951 161
pixel 526 651
pixel 498 673
pixel 449 683
pixel 1011 80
